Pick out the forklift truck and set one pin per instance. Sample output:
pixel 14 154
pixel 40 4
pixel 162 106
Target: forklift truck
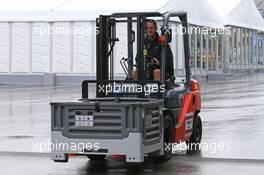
pixel 122 119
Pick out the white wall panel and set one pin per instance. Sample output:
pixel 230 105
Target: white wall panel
pixel 61 47
pixel 180 51
pixel 4 47
pixel 40 47
pixel 83 48
pixel 21 47
pixel 62 51
pixel 121 47
pixel 173 45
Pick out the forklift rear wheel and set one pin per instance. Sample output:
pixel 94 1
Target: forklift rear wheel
pixel 96 157
pixel 196 137
pixel 168 136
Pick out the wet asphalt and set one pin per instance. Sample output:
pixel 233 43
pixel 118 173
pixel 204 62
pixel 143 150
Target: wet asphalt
pixel 233 134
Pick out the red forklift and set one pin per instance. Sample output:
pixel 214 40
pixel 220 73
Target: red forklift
pixel 130 118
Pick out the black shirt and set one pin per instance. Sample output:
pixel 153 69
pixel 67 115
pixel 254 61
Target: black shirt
pixel 153 48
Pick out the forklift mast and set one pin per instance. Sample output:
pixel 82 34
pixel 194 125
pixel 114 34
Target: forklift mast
pixel 106 39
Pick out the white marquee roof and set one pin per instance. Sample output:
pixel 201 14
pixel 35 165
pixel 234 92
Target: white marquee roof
pixel 246 15
pixel 200 12
pixel 242 13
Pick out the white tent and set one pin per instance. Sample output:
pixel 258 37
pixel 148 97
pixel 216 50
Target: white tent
pixel 28 5
pixel 199 12
pixel 65 10
pixel 115 5
pixel 224 7
pixel 245 15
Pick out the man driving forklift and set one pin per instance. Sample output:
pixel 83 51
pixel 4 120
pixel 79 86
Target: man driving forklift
pixel 131 125
pixel 152 54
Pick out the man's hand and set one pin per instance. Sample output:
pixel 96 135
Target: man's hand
pixel 156 61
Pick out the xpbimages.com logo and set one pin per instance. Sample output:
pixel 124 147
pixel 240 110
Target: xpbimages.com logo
pixel 117 88
pixel 48 146
pixel 212 147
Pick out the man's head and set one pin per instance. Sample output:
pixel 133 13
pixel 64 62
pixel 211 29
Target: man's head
pixel 151 27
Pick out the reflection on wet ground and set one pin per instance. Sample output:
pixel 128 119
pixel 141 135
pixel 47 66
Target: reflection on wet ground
pixel 25 114
pixel 232 114
pixel 180 165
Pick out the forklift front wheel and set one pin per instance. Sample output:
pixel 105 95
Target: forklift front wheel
pixel 168 139
pixel 195 140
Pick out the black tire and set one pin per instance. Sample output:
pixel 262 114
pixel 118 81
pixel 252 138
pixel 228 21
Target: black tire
pixel 168 139
pixel 96 157
pixel 194 143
